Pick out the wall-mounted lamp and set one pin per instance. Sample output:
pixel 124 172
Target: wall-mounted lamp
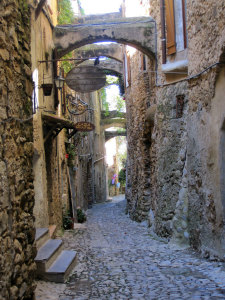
pixel 59 81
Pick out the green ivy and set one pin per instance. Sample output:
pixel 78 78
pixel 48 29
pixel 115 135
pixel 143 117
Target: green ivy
pixel 66 15
pixel 67 220
pixel 72 151
pixel 81 9
pixel 112 80
pixel 81 217
pixel 67 65
pixel 122 177
pixel 105 104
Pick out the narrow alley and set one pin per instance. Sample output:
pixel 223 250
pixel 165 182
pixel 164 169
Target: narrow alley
pixel 112 149
pixel 119 259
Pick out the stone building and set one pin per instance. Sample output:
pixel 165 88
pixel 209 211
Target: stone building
pixel 174 94
pixel 16 151
pixel 61 183
pixel 37 183
pixel 175 100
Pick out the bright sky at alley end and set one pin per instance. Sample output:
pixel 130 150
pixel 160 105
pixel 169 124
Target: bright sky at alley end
pixel 100 6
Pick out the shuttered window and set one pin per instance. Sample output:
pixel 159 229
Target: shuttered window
pixel 170 27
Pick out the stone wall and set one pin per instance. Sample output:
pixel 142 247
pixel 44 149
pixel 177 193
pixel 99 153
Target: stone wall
pixel 169 143
pixel 197 209
pixel 206 32
pixel 16 150
pixel 184 159
pixel 90 172
pixel 138 96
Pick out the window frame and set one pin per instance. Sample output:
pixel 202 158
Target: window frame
pixel 167 13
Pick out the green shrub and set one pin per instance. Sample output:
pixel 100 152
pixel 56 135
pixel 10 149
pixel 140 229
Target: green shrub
pixel 81 217
pixel 67 221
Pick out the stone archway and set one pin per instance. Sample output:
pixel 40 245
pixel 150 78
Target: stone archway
pixel 136 32
pixel 112 50
pixel 111 134
pixel 110 64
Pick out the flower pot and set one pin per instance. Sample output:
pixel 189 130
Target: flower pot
pixel 47 88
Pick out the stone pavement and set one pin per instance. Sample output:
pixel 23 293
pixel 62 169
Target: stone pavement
pixel 118 259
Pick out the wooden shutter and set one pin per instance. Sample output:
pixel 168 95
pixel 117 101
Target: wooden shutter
pixel 170 27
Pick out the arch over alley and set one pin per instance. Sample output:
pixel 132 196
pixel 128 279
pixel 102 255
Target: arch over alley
pixel 111 134
pixel 109 65
pixel 136 32
pixel 111 50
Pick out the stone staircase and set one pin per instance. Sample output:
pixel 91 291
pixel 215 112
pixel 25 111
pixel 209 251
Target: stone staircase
pixel 53 263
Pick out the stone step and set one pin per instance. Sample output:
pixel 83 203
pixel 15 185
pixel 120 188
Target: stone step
pixel 61 268
pixel 41 236
pixel 46 256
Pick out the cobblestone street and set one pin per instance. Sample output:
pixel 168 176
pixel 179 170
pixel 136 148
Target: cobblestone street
pixel 118 259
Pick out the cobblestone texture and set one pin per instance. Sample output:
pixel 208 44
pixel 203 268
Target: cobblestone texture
pixel 118 259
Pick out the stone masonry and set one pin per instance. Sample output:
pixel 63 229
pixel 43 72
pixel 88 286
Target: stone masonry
pixel 119 259
pixel 16 150
pixel 183 153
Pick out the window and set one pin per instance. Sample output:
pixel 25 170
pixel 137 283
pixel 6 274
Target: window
pixel 173 17
pixel 143 62
pixel 127 69
pixel 35 91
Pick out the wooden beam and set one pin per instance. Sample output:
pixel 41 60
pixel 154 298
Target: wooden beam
pixel 58 130
pixel 72 133
pixel 39 8
pixel 49 133
pixel 54 119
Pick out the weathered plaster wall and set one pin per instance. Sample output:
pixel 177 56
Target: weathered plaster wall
pixel 90 174
pixel 41 49
pixel 99 163
pixel 49 163
pixel 16 149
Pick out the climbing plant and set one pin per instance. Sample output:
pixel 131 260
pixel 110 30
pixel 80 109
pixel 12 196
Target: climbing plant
pixel 117 99
pixel 105 104
pixel 65 12
pixel 67 64
pixel 66 16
